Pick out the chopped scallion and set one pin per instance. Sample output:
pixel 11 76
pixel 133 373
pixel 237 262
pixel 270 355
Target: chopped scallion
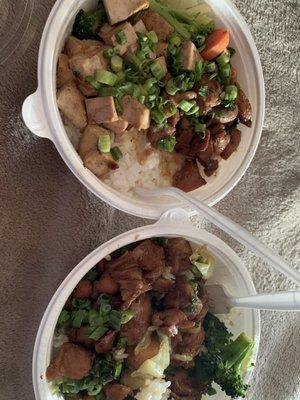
pixel 109 53
pixel 149 84
pixel 93 82
pixel 157 70
pixel 223 59
pixel 171 88
pixel 116 153
pixel 104 143
pixel 116 63
pixel 225 71
pixel 121 37
pixel 185 105
pixel 97 333
pixel 152 36
pixel 231 93
pixel 78 317
pixel 175 40
pixel 199 70
pixel 210 67
pixel 166 144
pixel 158 116
pixel 106 77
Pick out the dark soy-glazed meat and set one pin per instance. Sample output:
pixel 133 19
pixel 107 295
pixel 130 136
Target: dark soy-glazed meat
pixel 72 362
pixel 105 344
pixel 244 109
pixel 115 391
pixel 178 252
pixel 188 178
pixel 180 295
pixel 151 258
pixel 235 139
pixel 170 320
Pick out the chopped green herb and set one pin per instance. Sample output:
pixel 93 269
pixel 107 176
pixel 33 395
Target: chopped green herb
pixel 104 143
pixel 109 53
pixel 203 91
pixel 166 144
pixel 97 333
pixel 121 37
pixel 106 77
pixel 116 153
pixel 78 318
pixel 116 63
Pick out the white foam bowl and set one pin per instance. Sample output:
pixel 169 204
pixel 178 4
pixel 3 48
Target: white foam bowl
pixel 229 271
pixel 42 117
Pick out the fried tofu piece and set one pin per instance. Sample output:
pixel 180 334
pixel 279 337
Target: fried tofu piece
pixel 140 27
pixel 111 37
pixel 63 73
pixel 101 109
pixel 85 64
pixel 154 22
pixel 119 10
pixel 118 126
pixel 135 113
pixel 189 55
pixel 75 46
pixel 71 103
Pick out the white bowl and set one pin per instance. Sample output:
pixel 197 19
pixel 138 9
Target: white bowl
pixel 41 115
pixel 229 271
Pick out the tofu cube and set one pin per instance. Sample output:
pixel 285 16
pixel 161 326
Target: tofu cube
pixel 154 22
pixel 75 46
pixel 101 109
pixel 189 56
pixel 140 27
pixel 63 73
pixel 118 127
pixel 130 35
pixel 162 62
pixel 135 113
pixel 119 10
pixel 71 103
pixel 85 64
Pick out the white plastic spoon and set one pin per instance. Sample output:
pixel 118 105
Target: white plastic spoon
pixel 220 302
pixel 227 225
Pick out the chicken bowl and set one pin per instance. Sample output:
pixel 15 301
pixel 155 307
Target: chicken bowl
pixel 132 321
pixel 149 94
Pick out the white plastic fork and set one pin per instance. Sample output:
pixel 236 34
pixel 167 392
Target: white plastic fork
pixel 227 225
pixel 220 302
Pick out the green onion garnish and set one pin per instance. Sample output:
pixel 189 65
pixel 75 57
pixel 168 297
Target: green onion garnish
pixel 166 144
pixel 175 40
pixel 171 88
pixel 116 63
pixel 121 37
pixel 210 67
pixel 199 70
pixel 104 143
pixel 97 333
pixel 194 110
pixel 106 77
pixel 231 93
pixel 158 116
pixel 152 36
pixel 200 129
pixel 116 153
pixel 223 59
pixel 203 91
pixel 93 82
pixel 126 316
pixel 105 91
pixel 118 369
pixel 157 70
pixel 225 71
pixel 232 51
pixel 78 317
pixel 185 105
pixel 109 53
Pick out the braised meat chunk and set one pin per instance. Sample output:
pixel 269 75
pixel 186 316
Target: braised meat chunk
pixel 188 178
pixel 72 362
pixel 115 391
pixel 151 258
pixel 170 320
pixel 178 252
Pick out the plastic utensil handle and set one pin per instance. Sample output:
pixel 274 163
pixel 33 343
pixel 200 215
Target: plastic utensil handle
pixel 285 301
pixel 238 233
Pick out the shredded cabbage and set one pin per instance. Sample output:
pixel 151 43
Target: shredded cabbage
pixel 145 342
pixel 155 366
pixel 202 262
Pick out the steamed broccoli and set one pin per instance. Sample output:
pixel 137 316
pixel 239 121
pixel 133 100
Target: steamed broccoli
pixel 221 362
pixel 87 23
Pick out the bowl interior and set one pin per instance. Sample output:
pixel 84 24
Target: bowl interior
pixel 229 271
pixel 247 63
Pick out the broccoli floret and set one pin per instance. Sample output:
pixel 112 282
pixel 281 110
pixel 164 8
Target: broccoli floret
pixel 222 359
pixel 87 23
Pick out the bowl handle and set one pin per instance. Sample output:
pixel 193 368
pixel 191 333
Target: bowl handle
pixel 33 116
pixel 175 216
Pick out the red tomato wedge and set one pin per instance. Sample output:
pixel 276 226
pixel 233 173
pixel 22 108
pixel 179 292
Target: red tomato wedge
pixel 215 44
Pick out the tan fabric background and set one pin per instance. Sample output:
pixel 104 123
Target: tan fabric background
pixel 49 222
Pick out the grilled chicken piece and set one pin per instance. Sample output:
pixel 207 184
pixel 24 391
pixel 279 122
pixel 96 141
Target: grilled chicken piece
pixel 100 164
pixel 119 10
pixel 235 139
pixel 136 328
pixel 211 94
pixel 126 272
pixel 170 320
pixel 75 46
pixel 190 343
pixel 180 294
pixel 116 391
pixel 105 344
pixel 71 103
pixel 220 141
pixel 64 73
pixel 184 136
pixel 245 109
pixel 178 252
pixel 162 285
pixel 198 144
pixel 85 64
pixel 151 258
pixel 72 362
pixel 154 22
pixel 188 178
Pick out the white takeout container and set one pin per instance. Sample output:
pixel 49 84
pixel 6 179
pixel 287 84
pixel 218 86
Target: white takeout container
pixel 229 271
pixel 41 115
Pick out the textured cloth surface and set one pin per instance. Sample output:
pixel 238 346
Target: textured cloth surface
pixel 49 221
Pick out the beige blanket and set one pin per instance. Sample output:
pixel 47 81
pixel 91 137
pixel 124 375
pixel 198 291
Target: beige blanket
pixel 49 222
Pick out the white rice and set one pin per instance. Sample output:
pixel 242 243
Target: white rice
pixel 141 164
pixel 157 389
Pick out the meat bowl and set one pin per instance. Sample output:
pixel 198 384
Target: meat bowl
pixel 132 321
pixel 149 97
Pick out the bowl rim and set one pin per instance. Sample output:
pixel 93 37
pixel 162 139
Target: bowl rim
pixel 89 180
pixel 168 225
